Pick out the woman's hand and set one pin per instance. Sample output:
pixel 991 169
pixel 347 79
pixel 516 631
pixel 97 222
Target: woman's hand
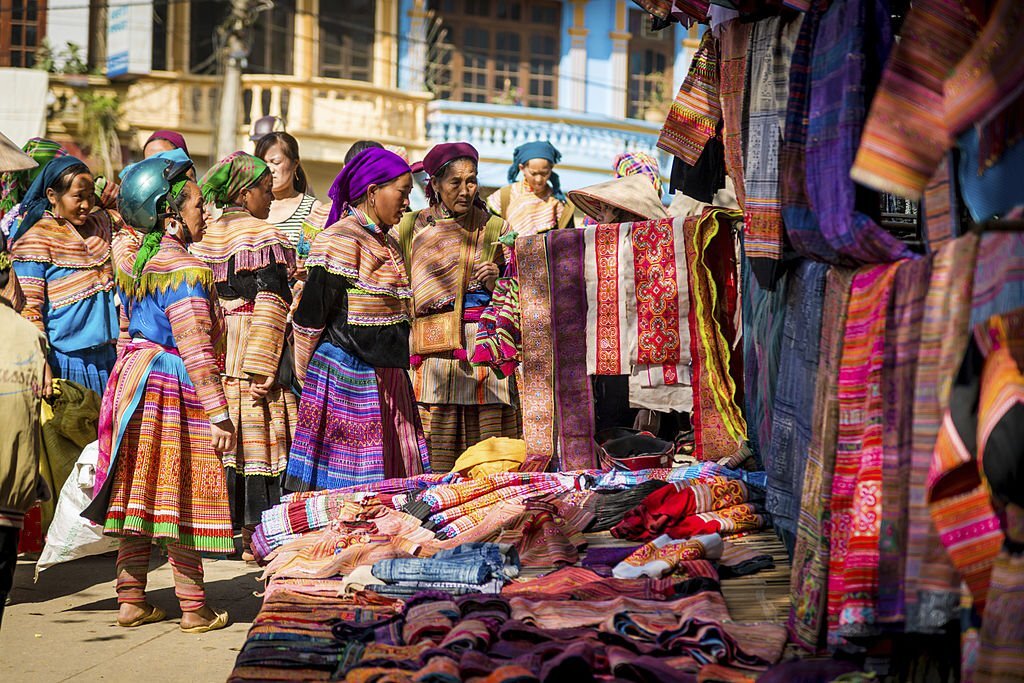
pixel 47 381
pixel 486 274
pixel 223 436
pixel 260 386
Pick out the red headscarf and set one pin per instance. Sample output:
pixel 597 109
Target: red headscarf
pixel 171 136
pixel 440 156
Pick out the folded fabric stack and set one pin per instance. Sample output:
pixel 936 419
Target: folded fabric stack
pixel 701 471
pixel 469 568
pixel 664 555
pixel 688 509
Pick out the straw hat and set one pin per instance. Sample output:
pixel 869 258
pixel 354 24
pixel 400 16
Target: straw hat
pixel 12 158
pixel 633 194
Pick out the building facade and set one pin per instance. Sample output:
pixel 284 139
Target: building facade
pixel 590 75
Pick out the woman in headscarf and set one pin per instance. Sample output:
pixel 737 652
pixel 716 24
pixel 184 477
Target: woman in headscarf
pixel 164 141
pixel 536 204
pixel 358 421
pixel 453 251
pixel 251 261
pixel 14 184
pixel 61 253
pixel 292 201
pixel 158 478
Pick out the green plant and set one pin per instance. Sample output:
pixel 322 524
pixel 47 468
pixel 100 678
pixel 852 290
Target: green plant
pixel 69 60
pixel 100 114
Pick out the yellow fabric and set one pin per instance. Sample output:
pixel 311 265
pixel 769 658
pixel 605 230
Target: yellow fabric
pixel 491 456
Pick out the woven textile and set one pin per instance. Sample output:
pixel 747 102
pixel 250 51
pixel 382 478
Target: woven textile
pixel 719 427
pixel 932 586
pixel 165 481
pixel 905 135
pixel 697 109
pixel 853 41
pixel 856 483
pixel 735 46
pixel 809 578
pixel 998 276
pixel 638 163
pixel 1001 653
pixel 662 295
pixel 251 242
pixel 229 176
pixel 940 206
pixel 763 318
pixel 785 455
pixel 452 428
pixel 800 220
pixel 352 429
pixel 611 300
pixel 573 392
pixel 538 386
pixel 899 371
pixel 771 48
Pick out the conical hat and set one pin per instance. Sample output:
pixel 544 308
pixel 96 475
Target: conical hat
pixel 12 158
pixel 633 194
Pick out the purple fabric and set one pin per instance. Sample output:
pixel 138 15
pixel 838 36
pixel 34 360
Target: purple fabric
pixel 446 152
pixel 372 166
pixel 171 136
pixel 603 560
pixel 573 390
pixel 853 41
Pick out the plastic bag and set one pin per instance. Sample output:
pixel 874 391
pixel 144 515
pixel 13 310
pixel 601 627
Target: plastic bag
pixel 71 536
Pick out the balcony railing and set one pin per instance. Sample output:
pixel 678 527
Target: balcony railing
pixel 588 143
pixel 327 114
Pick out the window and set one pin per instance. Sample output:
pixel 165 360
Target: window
pixel 160 28
pixel 271 37
pixel 501 52
pixel 20 37
pixel 651 57
pixel 346 39
pixel 273 40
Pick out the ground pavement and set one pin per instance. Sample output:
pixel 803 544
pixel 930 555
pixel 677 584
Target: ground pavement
pixel 63 627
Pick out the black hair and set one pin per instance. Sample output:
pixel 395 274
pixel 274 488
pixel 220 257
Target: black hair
pixel 291 150
pixel 358 146
pixel 64 181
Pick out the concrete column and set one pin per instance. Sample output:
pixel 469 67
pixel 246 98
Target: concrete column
pixel 385 45
pixel 306 64
pixel 413 63
pixel 178 27
pixel 578 58
pixel 620 58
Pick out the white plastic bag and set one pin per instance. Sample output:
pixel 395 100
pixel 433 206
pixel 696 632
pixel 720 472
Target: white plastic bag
pixel 71 536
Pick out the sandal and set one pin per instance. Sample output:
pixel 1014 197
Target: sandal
pixel 154 615
pixel 218 623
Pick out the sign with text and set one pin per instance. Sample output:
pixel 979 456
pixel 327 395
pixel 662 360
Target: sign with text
pixel 129 38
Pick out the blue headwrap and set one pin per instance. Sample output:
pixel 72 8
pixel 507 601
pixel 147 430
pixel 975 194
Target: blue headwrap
pixel 176 155
pixel 539 149
pixel 35 203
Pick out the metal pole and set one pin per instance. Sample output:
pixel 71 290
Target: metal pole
pixel 235 51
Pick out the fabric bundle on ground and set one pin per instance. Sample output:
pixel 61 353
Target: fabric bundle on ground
pixel 471 566
pixel 662 556
pixel 673 509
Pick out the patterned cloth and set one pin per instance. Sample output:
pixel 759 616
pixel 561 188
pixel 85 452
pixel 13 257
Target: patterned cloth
pixel 355 425
pixel 785 454
pixel 229 176
pixel 662 297
pixel 839 91
pixel 251 242
pixel 14 184
pixel 905 135
pixel 856 484
pixel 638 163
pixel 666 511
pixel 734 46
pixel 771 48
pixel 611 312
pixel 932 586
pixel 719 427
pixel 573 389
pixel 538 372
pixel 809 578
pixel 696 110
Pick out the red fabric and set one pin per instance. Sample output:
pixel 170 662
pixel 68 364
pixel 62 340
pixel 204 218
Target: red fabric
pixel 671 509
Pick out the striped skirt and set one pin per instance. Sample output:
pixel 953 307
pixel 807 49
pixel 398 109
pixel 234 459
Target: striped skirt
pixel 451 428
pixel 167 481
pixel 356 425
